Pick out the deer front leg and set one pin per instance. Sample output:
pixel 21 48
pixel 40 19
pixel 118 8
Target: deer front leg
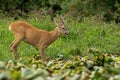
pixel 43 55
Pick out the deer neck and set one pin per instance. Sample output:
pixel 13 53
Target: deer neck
pixel 55 34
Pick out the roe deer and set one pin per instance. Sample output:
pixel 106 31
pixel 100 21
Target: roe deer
pixel 24 31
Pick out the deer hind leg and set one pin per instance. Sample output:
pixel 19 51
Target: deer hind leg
pixel 15 44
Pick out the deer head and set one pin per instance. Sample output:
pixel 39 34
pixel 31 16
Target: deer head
pixel 62 26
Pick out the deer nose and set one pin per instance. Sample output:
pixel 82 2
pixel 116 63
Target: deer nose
pixel 67 33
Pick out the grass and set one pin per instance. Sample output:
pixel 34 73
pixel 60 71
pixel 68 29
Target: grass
pixel 83 35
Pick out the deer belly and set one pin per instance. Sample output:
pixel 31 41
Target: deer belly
pixel 33 42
